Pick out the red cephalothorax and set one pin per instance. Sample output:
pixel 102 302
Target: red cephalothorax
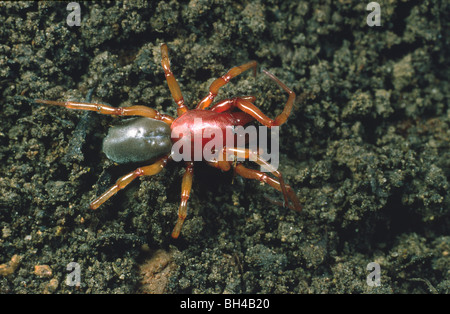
pixel 198 122
pixel 151 137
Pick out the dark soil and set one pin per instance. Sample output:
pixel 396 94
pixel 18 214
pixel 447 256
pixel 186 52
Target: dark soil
pixel 366 148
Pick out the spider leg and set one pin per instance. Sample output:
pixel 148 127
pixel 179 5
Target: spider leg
pixel 263 177
pixel 223 80
pixel 278 184
pixel 244 104
pixel 122 182
pixel 283 116
pixel 171 81
pixel 109 110
pixel 185 192
pixel 225 105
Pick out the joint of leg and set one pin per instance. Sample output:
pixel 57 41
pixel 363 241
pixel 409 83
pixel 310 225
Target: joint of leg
pixel 119 111
pixel 138 172
pixel 272 123
pixel 158 116
pixel 211 95
pixel 262 177
pixel 180 103
pixel 226 78
pixel 182 216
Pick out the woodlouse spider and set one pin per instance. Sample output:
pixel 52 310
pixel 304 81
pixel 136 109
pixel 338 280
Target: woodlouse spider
pixel 149 138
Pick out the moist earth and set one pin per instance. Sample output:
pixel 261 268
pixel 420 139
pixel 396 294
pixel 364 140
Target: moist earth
pixel 366 149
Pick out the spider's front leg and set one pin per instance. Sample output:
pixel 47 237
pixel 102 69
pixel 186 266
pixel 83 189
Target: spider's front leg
pixel 109 110
pixel 278 183
pixel 245 104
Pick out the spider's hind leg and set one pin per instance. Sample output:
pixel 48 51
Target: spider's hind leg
pixel 143 111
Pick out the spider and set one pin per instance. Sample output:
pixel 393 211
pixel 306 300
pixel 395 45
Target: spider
pixel 150 137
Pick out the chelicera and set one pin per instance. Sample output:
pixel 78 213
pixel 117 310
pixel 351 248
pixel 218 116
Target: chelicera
pixel 150 137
